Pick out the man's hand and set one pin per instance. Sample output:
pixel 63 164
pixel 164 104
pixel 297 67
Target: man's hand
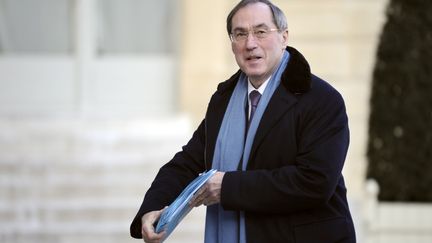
pixel 147 230
pixel 209 193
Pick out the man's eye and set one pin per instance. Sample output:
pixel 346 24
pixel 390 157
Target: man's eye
pixel 260 32
pixel 241 34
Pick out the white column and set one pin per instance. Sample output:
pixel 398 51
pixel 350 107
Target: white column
pixel 85 43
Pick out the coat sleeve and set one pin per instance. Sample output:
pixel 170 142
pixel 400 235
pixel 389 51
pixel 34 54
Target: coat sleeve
pixel 312 178
pixel 172 178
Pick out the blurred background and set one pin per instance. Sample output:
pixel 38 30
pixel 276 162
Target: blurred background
pixel 96 95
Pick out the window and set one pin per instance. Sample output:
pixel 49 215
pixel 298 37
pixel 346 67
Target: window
pixel 42 26
pixel 136 26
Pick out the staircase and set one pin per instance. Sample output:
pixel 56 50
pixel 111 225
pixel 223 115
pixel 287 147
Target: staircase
pixel 83 181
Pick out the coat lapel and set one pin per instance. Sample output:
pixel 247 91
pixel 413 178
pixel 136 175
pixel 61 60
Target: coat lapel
pixel 279 104
pixel 295 81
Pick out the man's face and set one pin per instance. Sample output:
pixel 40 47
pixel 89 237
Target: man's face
pixel 257 57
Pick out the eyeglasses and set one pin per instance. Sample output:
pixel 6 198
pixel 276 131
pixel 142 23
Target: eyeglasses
pixel 241 35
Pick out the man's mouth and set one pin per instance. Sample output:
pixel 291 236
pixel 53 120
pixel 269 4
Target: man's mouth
pixel 252 58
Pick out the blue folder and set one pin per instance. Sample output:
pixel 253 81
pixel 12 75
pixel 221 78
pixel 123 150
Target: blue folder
pixel 172 215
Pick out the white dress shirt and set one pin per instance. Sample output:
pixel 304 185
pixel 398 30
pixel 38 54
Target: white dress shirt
pixel 260 90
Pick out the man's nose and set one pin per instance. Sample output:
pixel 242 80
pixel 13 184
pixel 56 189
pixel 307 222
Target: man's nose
pixel 251 41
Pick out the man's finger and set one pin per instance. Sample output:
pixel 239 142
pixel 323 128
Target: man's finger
pixel 148 229
pixel 199 197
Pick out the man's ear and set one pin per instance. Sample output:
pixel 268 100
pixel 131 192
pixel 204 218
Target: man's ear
pixel 285 35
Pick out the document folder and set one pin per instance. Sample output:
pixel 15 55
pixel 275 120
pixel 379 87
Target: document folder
pixel 172 215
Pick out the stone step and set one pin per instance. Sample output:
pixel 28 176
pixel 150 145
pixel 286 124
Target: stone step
pixel 81 181
pixel 107 233
pixel 84 225
pixel 42 140
pixel 70 181
pixel 191 228
pixel 88 218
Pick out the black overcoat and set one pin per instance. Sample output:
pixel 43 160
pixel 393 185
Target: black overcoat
pixel 293 189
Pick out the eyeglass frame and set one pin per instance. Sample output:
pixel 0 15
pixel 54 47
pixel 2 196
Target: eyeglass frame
pixel 255 34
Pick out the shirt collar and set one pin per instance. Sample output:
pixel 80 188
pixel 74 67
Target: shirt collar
pixel 260 89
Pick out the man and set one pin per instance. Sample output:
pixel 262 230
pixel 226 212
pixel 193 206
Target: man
pixel 277 135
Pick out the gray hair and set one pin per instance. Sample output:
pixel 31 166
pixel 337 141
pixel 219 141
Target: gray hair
pixel 279 18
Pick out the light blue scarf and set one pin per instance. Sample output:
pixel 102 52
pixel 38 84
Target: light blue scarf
pixel 231 147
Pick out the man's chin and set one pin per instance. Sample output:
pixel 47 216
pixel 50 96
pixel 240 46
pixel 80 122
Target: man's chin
pixel 254 75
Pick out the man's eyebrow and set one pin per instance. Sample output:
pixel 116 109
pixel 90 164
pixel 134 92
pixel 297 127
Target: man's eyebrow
pixel 241 29
pixel 260 26
pixel 254 27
